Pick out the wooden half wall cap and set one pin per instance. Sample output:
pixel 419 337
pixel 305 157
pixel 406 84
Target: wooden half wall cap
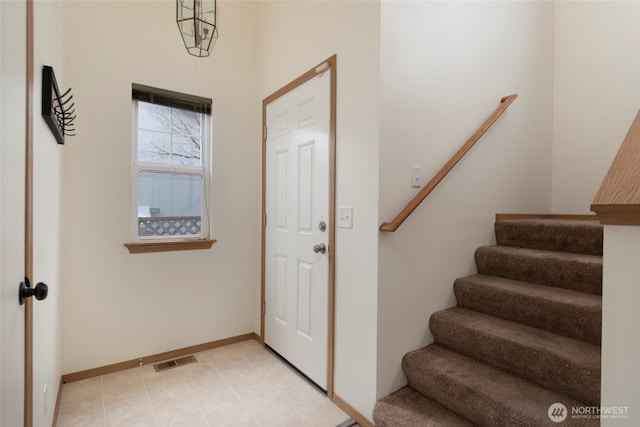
pixel 617 202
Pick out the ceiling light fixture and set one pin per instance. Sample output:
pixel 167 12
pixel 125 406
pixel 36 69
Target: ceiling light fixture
pixel 197 22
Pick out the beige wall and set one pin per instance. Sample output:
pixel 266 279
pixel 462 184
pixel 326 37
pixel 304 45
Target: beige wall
pixel 296 36
pixel 415 79
pixel 596 94
pixel 119 306
pixel 444 68
pixel 597 80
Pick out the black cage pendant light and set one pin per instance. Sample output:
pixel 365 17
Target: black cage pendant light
pixel 197 22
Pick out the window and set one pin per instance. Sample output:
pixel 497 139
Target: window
pixel 171 138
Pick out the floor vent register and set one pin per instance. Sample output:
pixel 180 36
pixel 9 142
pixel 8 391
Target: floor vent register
pixel 163 366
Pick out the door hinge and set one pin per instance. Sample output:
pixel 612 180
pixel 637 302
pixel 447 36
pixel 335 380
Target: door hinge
pixel 265 132
pixel 264 307
pixel 265 220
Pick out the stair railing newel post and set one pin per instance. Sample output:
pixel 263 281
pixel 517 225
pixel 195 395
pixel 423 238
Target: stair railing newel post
pixel 433 183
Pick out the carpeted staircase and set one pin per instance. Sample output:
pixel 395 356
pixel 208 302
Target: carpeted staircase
pixel 525 334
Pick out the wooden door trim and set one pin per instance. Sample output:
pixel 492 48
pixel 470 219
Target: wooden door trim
pixel 320 68
pixel 28 222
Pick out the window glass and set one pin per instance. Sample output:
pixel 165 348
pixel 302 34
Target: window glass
pixel 169 204
pixel 170 168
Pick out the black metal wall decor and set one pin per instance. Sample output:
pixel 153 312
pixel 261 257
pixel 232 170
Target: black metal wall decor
pixel 56 110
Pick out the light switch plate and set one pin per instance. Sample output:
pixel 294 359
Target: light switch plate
pixel 345 216
pixel 416 176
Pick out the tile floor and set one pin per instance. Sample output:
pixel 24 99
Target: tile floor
pixel 242 384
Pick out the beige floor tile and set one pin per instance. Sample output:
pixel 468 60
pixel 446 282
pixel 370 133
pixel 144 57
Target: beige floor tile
pixel 135 409
pixel 180 414
pixel 164 391
pixel 275 412
pixel 146 422
pixel 241 376
pixel 240 385
pixel 207 386
pixel 80 405
pixel 79 419
pixel 302 396
pixel 268 407
pixel 233 421
pixel 225 409
pixel 224 354
pixel 116 396
pixel 256 389
pixel 323 414
pixel 122 378
pixel 200 369
pixel 83 389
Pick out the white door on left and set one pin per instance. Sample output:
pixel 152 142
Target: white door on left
pixel 12 211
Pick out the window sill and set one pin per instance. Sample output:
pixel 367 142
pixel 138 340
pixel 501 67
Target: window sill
pixel 183 245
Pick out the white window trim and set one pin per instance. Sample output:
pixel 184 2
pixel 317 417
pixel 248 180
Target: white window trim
pixel 204 171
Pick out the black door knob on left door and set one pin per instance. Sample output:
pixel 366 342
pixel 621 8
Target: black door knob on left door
pixel 26 291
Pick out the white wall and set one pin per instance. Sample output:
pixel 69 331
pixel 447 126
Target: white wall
pixel 620 343
pixel 597 94
pixel 47 218
pixel 120 306
pixel 444 68
pixel 295 36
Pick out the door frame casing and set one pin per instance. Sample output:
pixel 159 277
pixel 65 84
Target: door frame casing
pixel 318 69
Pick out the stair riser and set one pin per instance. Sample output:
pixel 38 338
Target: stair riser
pixel 578 379
pixel 575 275
pixel 551 236
pixel 579 322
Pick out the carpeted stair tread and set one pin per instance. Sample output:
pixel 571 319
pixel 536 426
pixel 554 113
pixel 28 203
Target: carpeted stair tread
pixel 408 408
pixel 550 360
pixel 485 395
pixel 564 235
pixel 525 334
pixel 560 269
pixel 563 311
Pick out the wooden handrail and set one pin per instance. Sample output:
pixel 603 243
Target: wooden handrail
pixel 428 188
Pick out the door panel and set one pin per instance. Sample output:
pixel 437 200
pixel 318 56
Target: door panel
pixel 297 198
pixel 281 289
pixel 305 299
pixel 282 183
pixel 306 162
pixel 12 216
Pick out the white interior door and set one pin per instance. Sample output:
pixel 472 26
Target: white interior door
pixel 12 211
pixel 297 226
